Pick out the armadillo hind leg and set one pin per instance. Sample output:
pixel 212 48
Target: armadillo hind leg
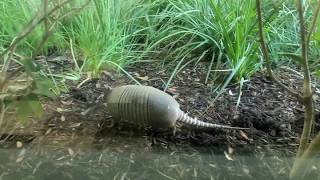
pixel 184 118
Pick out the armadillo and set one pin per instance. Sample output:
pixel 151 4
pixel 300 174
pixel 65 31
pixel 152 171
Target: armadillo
pixel 149 106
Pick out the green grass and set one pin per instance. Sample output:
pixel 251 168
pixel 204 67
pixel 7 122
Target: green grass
pixel 284 38
pixel 110 33
pixel 103 32
pixel 206 28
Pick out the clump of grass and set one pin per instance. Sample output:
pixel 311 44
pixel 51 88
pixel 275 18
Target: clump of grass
pixel 221 32
pixel 283 31
pixel 102 33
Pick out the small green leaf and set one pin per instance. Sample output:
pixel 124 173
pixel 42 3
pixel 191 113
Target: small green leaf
pixel 318 73
pixel 7 99
pixel 27 108
pixel 29 66
pixel 43 86
pixel 316 36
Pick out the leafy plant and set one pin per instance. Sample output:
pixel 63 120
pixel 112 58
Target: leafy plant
pixel 23 98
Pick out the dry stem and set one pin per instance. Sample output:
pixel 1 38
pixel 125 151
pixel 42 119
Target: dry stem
pixel 307 90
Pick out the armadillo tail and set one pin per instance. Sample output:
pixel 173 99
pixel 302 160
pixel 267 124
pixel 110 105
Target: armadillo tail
pixel 184 118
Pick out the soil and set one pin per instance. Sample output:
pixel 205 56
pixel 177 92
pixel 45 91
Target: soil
pixel 78 119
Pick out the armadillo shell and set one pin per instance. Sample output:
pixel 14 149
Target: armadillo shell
pixel 144 105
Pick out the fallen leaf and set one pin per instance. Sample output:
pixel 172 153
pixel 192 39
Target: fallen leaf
pixel 60 158
pixel 98 85
pixel 19 144
pixel 70 151
pixel 66 103
pixel 48 131
pixel 244 135
pixel 231 93
pixel 74 125
pixel 19 159
pixel 136 74
pixel 230 150
pixel 172 90
pixel 62 118
pixel 143 78
pixel 228 156
pixel 107 73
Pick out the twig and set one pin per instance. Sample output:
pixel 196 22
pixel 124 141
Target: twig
pixel 46 36
pixel 31 25
pixel 73 10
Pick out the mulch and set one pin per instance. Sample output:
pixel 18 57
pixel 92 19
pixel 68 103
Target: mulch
pixel 275 119
pixel 77 137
